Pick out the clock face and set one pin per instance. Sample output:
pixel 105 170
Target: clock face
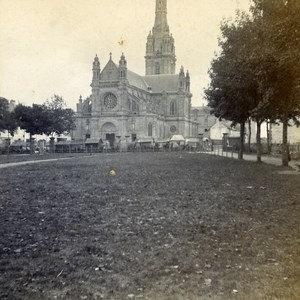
pixel 110 101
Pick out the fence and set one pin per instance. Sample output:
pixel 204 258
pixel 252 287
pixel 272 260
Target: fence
pixel 220 150
pixel 294 149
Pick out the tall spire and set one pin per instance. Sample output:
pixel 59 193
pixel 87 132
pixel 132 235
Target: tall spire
pixel 161 23
pixel 160 51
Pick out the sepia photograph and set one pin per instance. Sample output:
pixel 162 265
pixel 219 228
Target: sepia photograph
pixel 150 149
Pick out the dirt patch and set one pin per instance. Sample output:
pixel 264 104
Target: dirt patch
pixel 166 226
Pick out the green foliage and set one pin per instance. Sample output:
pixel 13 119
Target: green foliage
pixel 3 112
pixel 33 119
pixel 279 25
pixel 7 117
pixel 56 102
pixel 48 118
pixel 61 119
pixel 257 73
pixel 233 91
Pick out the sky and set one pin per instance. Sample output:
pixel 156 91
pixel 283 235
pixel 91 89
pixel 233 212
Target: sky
pixel 48 46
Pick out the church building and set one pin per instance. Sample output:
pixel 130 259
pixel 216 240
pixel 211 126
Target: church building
pixel 125 105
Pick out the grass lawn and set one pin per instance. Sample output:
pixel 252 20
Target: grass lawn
pixel 167 226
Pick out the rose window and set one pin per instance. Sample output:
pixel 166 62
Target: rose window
pixel 173 128
pixel 110 101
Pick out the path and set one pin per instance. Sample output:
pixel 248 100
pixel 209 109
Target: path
pixel 272 160
pixel 20 163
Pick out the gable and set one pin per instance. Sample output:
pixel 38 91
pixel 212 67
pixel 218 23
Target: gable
pixel 110 72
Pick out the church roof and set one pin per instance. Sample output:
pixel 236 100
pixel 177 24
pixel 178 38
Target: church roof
pixel 158 83
pixel 163 82
pixel 136 80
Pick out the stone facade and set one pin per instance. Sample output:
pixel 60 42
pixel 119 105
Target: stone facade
pixel 125 105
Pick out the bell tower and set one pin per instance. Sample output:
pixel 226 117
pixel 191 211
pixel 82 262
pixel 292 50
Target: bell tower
pixel 160 50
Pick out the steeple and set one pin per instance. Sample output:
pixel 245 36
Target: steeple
pixel 161 23
pixel 160 51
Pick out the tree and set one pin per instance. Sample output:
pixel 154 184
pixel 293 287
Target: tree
pixel 279 23
pixel 7 117
pixel 3 112
pixel 33 119
pixel 61 118
pixel 48 118
pixel 258 71
pixel 232 92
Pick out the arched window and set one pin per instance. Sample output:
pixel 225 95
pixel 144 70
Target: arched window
pixel 122 73
pixel 157 68
pixel 173 108
pixel 150 127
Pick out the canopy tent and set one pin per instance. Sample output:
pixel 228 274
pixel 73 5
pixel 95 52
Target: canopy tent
pixel 145 140
pixel 177 138
pixel 92 141
pixel 192 140
pixel 162 141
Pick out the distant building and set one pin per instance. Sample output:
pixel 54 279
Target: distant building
pixel 293 134
pixel 204 119
pixel 220 128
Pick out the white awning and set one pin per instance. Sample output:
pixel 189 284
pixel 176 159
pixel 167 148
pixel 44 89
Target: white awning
pixel 177 138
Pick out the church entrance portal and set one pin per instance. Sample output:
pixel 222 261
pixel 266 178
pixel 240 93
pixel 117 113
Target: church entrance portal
pixel 111 138
pixel 109 131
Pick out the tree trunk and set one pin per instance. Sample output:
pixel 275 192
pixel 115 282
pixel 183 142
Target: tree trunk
pixel 258 141
pixel 242 136
pixel 249 135
pixel 285 150
pixel 269 137
pixel 30 143
pixel 8 143
pixel 52 146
